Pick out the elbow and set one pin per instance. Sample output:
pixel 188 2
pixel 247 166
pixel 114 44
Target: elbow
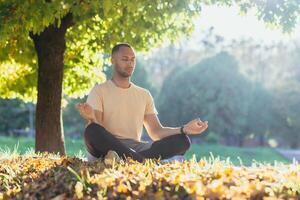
pixel 156 134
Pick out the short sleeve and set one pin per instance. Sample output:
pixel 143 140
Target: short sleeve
pixel 150 107
pixel 95 98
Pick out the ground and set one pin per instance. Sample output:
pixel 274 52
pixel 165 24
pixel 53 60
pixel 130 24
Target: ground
pixel 47 176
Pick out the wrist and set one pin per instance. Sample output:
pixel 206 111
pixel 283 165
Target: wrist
pixel 182 130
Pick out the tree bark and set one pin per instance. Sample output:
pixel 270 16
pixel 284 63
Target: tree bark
pixel 50 46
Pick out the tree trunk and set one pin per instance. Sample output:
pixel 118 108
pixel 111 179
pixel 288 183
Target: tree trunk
pixel 50 46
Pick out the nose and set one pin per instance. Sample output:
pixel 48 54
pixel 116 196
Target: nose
pixel 131 63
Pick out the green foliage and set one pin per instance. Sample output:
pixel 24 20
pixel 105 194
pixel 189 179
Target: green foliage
pixel 211 89
pixel 97 26
pixel 212 138
pixel 214 90
pixel 282 13
pixel 14 115
pixel 18 81
pixel 74 124
pixel 287 100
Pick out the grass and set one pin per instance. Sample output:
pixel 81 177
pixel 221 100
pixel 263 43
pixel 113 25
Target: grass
pixel 237 155
pixel 22 145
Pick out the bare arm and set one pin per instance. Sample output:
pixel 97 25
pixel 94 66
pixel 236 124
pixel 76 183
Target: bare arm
pixel 156 131
pixel 89 114
pixel 98 118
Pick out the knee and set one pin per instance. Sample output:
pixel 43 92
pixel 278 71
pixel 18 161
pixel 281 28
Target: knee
pixel 186 142
pixel 91 129
pixel 183 143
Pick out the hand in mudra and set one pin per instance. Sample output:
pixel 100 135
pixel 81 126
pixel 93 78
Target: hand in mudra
pixel 86 111
pixel 195 126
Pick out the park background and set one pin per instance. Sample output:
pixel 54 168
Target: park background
pixel 237 72
pixel 233 63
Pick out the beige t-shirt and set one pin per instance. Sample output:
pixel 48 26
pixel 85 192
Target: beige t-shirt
pixel 123 109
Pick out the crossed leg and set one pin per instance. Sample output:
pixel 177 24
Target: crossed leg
pixel 167 147
pixel 99 141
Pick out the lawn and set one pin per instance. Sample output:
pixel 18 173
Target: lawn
pixel 236 154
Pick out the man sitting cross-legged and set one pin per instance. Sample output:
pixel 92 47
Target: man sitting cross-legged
pixel 116 111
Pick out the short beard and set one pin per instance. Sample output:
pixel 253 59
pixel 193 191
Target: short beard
pixel 123 74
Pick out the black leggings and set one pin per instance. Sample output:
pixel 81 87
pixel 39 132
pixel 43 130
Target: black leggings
pixel 99 141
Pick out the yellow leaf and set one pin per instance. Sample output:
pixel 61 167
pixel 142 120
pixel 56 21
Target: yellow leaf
pixel 79 190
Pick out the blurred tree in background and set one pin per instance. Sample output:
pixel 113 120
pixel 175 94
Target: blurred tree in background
pixel 215 90
pixel 287 100
pixel 16 116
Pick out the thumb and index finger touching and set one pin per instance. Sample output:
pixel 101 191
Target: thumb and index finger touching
pixel 80 106
pixel 200 122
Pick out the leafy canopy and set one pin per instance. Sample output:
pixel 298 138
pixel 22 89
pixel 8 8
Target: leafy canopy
pixel 99 24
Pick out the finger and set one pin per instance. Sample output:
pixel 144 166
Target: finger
pixel 81 105
pixel 199 120
pixel 205 126
pixel 85 106
pixel 200 124
pixel 205 123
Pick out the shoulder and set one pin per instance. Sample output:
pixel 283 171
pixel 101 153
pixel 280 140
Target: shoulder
pixel 99 88
pixel 145 93
pixel 142 90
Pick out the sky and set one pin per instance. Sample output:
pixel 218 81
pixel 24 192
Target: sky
pixel 228 23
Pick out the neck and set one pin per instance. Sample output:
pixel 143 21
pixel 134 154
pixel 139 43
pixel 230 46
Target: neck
pixel 121 82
